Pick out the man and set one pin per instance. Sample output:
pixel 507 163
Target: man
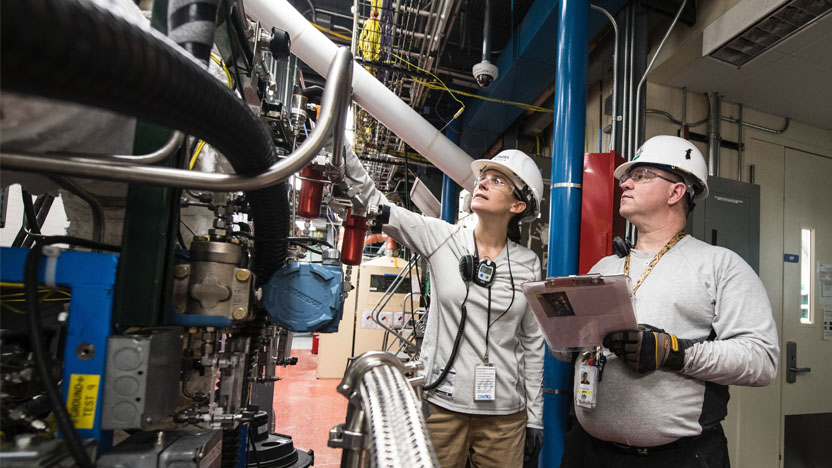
pixel 705 323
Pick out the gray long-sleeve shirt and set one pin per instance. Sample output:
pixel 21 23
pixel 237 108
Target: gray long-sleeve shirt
pixel 515 342
pixel 696 291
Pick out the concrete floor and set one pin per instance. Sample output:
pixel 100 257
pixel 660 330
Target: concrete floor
pixel 306 408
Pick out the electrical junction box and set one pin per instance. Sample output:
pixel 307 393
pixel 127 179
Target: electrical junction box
pixel 730 218
pixel 141 383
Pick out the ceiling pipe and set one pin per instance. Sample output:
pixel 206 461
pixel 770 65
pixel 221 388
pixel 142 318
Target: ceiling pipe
pixel 713 134
pixel 644 78
pixel 311 46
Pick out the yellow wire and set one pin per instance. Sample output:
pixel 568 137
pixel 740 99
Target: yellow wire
pixel 329 31
pixel 521 105
pixel 442 83
pixel 230 86
pixel 224 68
pixel 196 154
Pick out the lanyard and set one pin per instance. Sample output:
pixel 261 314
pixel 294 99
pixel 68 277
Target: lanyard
pixel 488 318
pixel 675 240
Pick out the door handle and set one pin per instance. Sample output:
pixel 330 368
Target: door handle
pixel 791 363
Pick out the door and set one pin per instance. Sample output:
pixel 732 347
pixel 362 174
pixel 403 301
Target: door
pixel 807 243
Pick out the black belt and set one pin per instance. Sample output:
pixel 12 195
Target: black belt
pixel 662 448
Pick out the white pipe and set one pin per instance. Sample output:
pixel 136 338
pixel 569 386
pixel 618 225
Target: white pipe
pixel 311 46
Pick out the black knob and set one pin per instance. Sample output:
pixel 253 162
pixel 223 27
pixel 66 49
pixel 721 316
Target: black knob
pixel 279 44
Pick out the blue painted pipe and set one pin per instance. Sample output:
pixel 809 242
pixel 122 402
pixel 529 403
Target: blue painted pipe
pixel 565 196
pixel 450 190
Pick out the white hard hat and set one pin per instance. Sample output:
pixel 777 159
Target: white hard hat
pixel 524 174
pixel 678 156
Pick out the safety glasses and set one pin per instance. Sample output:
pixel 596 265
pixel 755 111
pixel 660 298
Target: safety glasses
pixel 642 175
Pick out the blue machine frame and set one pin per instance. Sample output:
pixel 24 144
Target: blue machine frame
pixel 91 276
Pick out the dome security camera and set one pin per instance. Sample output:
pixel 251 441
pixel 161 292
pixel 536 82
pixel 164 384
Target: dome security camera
pixel 485 73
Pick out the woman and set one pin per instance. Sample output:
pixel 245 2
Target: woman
pixel 483 351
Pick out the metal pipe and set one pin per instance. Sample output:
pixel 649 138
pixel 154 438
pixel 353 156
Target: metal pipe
pixel 450 191
pixel 160 154
pixel 565 198
pixel 739 143
pixel 665 114
pixel 761 128
pixel 486 32
pixel 684 110
pixel 649 66
pixel 614 74
pixel 631 39
pixel 311 46
pixel 332 104
pixel 713 134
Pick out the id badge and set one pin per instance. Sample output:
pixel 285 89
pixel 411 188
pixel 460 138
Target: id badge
pixel 446 389
pixel 485 383
pixel 587 388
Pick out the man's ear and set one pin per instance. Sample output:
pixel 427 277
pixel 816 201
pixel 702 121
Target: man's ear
pixel 677 193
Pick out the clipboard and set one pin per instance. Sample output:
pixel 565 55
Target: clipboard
pixel 578 311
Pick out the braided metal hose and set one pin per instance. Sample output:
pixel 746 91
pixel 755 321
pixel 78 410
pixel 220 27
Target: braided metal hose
pixel 384 415
pixel 398 435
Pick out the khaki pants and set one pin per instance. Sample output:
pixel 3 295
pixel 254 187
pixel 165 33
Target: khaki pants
pixel 492 441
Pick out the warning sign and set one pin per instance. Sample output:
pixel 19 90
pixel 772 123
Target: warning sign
pixel 82 398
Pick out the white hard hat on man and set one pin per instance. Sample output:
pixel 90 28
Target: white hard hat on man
pixel 675 155
pixel 524 174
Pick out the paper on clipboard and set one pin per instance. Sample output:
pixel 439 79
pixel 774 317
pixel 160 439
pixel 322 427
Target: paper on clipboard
pixel 578 311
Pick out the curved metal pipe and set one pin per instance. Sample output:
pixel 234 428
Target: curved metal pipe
pixel 332 104
pixel 614 74
pixel 644 77
pixel 160 154
pixel 315 50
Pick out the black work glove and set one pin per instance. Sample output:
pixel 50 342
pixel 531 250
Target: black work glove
pixel 648 348
pixel 534 441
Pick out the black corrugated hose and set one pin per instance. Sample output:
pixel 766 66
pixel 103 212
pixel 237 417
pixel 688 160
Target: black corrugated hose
pixel 75 51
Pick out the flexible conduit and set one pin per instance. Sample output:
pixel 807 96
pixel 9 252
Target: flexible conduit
pixel 395 424
pixel 75 51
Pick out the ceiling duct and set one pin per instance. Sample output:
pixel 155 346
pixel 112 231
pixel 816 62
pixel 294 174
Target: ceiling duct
pixel 766 32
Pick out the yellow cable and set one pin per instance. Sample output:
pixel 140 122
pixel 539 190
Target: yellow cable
pixel 230 86
pixel 442 83
pixel 329 31
pixel 196 154
pixel 224 68
pixel 521 105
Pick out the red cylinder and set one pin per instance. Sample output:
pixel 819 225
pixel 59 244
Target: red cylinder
pixel 352 249
pixel 309 201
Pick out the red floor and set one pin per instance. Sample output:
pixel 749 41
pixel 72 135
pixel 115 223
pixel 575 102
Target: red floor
pixel 307 408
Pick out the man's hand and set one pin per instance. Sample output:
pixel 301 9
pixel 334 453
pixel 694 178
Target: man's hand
pixel 534 442
pixel 648 348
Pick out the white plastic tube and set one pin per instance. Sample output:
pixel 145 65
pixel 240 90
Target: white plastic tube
pixel 311 46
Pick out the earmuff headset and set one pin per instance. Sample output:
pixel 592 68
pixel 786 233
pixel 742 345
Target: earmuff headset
pixel 621 247
pixel 481 272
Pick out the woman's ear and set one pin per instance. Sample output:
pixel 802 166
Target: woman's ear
pixel 518 207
